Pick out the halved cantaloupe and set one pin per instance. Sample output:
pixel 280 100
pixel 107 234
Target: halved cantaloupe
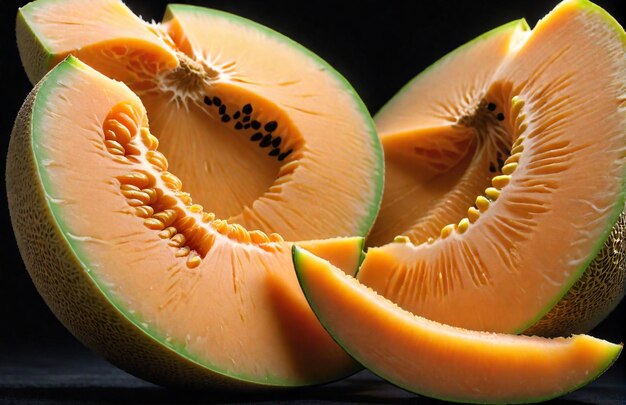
pixel 256 126
pixel 442 361
pixel 136 271
pixel 505 174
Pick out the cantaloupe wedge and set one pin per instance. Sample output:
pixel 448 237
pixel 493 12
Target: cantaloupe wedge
pixel 256 126
pixel 506 165
pixel 442 361
pixel 137 271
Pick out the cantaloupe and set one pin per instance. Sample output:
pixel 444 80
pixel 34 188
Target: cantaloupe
pixel 251 122
pixel 442 361
pixel 505 171
pixel 135 270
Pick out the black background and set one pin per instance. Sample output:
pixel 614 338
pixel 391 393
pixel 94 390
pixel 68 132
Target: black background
pixel 377 45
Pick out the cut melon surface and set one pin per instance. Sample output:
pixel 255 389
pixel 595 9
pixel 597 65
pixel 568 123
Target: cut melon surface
pixel 135 270
pixel 255 125
pixel 506 165
pixel 441 361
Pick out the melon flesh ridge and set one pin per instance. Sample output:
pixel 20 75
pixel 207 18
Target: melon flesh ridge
pixel 537 238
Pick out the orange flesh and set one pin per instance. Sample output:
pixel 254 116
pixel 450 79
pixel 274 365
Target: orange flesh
pixel 443 361
pixel 284 186
pixel 521 249
pixel 225 297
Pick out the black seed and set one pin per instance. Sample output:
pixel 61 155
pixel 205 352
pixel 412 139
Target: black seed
pixel 246 126
pixel 500 117
pixel 491 106
pixel 283 155
pixel 222 109
pixel 274 152
pixel 246 118
pixel 500 163
pixel 255 124
pixel 236 115
pixel 270 126
pixel 276 141
pixel 267 140
pixel 492 168
pixel 225 118
pixel 247 109
pixel 256 136
pixel 207 100
pixel 238 125
pixel 217 101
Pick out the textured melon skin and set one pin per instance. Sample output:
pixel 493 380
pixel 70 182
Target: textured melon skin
pixel 596 293
pixel 75 298
pixel 72 295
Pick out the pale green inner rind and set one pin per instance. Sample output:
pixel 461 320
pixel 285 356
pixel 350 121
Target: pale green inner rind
pixel 377 149
pixel 619 206
pixel 451 55
pixel 299 258
pixel 45 97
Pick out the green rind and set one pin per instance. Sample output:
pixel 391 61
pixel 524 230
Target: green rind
pixel 133 336
pixel 619 207
pixel 201 374
pixel 452 54
pixel 34 53
pixel 379 178
pixel 298 259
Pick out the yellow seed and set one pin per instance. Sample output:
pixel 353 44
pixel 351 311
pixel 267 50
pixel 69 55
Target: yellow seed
pixel 148 139
pixel 122 134
pixel 220 226
pixel 473 214
pixel 430 240
pixel 513 158
pixel 171 181
pixel 518 149
pixel 195 208
pixel 521 118
pixel 482 203
pixel 184 197
pixel 401 239
pixel 145 211
pixel 114 147
pixel 193 261
pixel 138 195
pixel 177 240
pixel 522 128
pixel 517 142
pixel 182 252
pixel 167 232
pixel 138 179
pixel 208 217
pixel 258 237
pixel 154 224
pixel 152 194
pixel 516 105
pixel 157 159
pixel 500 182
pixel 127 120
pixel 126 187
pixel 509 168
pixel 133 202
pixel 268 247
pixel 492 193
pixel 463 225
pixel 447 230
pixel 166 216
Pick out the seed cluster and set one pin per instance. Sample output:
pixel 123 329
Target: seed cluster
pixel 161 210
pixel 263 132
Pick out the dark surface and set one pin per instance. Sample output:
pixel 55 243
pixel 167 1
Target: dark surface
pixel 378 46
pixel 79 376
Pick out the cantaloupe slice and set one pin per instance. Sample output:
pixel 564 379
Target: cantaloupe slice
pixel 505 173
pixel 256 126
pixel 137 271
pixel 442 361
